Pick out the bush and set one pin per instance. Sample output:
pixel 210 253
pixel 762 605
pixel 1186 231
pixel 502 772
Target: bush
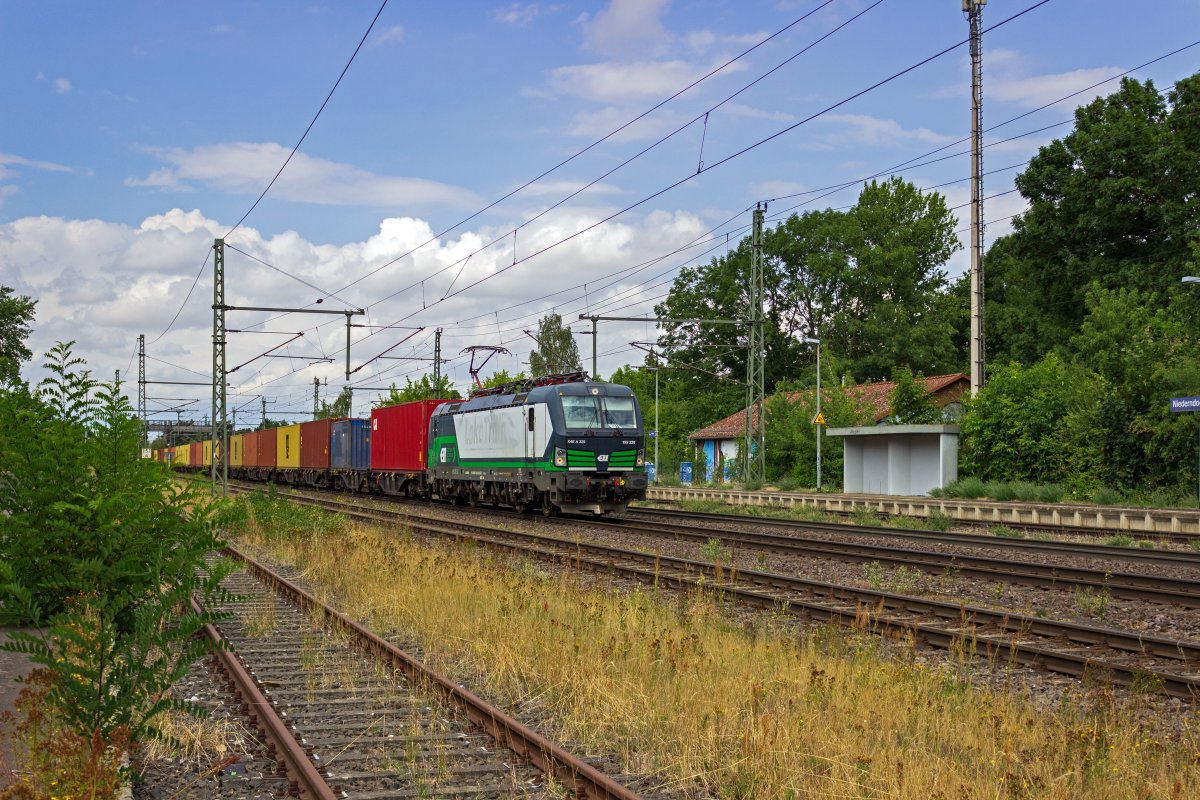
pixel 786 484
pixel 1105 496
pixel 101 549
pixel 1050 493
pixel 971 488
pixel 1001 491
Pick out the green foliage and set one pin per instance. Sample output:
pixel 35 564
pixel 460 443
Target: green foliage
pixel 101 548
pixel 502 377
pixel 1016 427
pixel 909 403
pixel 425 388
pixel 339 408
pixel 16 314
pixel 869 279
pixel 556 350
pixel 1112 204
pixel 792 436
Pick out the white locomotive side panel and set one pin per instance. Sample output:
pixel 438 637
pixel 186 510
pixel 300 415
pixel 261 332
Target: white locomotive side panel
pixel 502 433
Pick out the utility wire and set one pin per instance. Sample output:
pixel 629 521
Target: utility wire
pixel 723 161
pixel 594 144
pixel 310 124
pixel 317 289
pixel 631 159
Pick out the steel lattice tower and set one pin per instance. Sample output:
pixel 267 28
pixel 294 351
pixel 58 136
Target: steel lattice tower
pixel 220 438
pixel 756 423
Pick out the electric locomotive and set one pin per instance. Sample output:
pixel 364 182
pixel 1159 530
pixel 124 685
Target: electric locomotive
pixel 560 444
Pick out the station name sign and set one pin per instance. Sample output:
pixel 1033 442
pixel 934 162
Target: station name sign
pixel 1185 404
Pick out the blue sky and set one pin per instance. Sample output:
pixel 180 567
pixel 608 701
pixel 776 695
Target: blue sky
pixel 134 133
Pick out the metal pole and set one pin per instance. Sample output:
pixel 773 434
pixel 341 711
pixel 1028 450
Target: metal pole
pixel 437 358
pixel 594 347
pixel 348 315
pixel 974 12
pixel 264 413
pixel 819 414
pixel 142 386
pixel 220 430
pixel 657 467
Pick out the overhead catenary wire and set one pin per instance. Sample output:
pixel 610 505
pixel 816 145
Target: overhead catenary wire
pixel 594 144
pixel 313 122
pixel 1031 112
pixel 726 159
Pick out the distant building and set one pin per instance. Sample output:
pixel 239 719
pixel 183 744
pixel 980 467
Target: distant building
pixel 719 441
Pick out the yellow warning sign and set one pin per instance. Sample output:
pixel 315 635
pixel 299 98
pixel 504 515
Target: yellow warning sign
pixel 819 419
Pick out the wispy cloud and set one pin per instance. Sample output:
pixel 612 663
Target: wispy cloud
pixel 391 35
pixel 625 24
pixel 518 14
pixel 246 167
pixel 865 129
pixel 1041 89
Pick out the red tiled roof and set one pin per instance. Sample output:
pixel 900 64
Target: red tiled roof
pixel 944 388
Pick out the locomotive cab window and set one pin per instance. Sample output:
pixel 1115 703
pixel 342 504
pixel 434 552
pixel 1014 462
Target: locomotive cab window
pixel 619 412
pixel 581 412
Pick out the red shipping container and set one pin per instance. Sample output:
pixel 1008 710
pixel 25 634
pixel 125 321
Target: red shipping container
pixel 250 449
pixel 268 441
pixel 196 454
pixel 400 435
pixel 314 444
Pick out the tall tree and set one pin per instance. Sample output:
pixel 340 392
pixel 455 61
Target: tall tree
pixel 869 282
pixel 1112 203
pixel 16 314
pixel 556 350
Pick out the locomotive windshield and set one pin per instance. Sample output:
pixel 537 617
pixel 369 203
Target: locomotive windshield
pixel 583 412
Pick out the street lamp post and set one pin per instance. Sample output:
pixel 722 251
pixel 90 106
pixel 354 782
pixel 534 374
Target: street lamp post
pixel 656 464
pixel 817 342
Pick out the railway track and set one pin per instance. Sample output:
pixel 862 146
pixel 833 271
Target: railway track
pixel 346 714
pixel 1130 586
pixel 1043 526
pixel 1121 657
pixel 1146 555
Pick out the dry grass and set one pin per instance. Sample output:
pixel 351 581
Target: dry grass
pixel 670 686
pixel 194 740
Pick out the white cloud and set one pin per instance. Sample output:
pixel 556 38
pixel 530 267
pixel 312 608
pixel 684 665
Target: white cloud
pixel 594 124
pixel 222 28
pixel 247 167
pixel 103 283
pixel 517 14
pixel 868 130
pixel 1041 89
pixel 625 24
pixel 9 159
pixel 62 85
pixel 629 82
pixel 392 35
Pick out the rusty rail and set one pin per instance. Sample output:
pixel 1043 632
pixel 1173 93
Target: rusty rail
pixel 585 780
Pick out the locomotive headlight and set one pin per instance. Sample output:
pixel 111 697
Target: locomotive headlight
pixel 641 459
pixel 560 457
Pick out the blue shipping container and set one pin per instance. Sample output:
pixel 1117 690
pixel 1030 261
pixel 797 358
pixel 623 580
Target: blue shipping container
pixel 350 444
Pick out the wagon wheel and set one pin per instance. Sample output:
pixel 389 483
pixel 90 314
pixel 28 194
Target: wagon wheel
pixel 547 506
pixel 473 498
pixel 521 506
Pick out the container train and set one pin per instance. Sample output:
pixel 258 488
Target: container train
pixel 556 444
